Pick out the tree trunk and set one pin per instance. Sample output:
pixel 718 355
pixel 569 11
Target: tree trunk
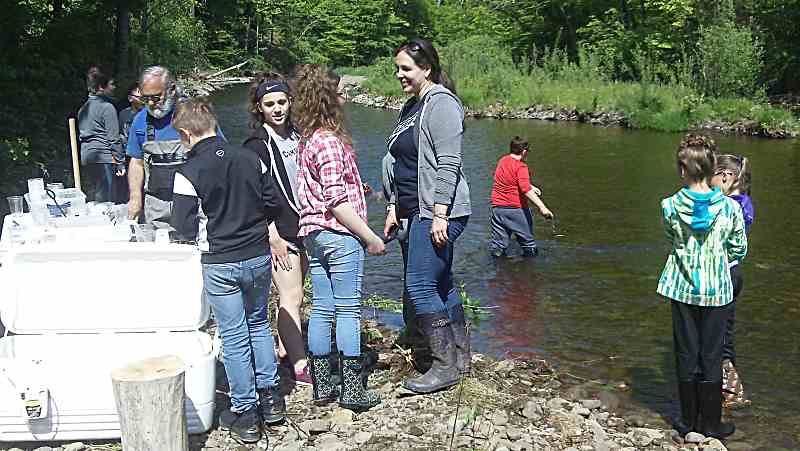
pixel 571 41
pixel 247 34
pixel 150 398
pixel 145 18
pixel 122 39
pixel 627 18
pixel 58 8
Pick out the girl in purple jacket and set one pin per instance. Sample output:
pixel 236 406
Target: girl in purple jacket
pixel 732 176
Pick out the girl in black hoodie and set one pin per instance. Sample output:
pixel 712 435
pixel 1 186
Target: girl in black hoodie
pixel 275 140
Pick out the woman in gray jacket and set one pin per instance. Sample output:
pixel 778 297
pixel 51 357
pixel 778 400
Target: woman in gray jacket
pixel 427 186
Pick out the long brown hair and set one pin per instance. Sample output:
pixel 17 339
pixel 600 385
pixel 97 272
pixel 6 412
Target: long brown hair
pixel 316 102
pixel 425 56
pixel 256 116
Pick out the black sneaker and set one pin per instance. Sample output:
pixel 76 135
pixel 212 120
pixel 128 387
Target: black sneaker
pixel 272 406
pixel 244 427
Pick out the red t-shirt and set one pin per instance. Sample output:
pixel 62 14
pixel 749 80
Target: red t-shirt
pixel 511 182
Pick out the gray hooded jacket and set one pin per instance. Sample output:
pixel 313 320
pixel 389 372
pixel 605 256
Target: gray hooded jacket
pixel 441 178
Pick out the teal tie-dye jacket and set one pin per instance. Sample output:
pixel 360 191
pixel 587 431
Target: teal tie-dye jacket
pixel 706 231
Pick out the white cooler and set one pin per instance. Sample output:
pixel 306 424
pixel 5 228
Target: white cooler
pixel 77 312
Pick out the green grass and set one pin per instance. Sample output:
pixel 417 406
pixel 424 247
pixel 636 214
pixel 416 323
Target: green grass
pixel 486 77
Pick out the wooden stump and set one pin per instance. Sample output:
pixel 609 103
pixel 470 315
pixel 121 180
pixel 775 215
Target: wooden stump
pixel 150 402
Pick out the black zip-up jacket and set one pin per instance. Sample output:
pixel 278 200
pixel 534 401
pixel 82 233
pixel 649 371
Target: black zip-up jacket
pixel 287 221
pixel 223 199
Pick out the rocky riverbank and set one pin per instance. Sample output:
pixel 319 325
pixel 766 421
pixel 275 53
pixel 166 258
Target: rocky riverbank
pixel 505 405
pixel 357 94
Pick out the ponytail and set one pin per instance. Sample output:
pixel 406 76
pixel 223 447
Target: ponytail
pixel 743 179
pixel 444 80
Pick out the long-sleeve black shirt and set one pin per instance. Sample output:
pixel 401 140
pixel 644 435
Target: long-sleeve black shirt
pixel 223 199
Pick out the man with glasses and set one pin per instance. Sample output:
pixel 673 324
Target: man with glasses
pixel 154 147
pixel 126 115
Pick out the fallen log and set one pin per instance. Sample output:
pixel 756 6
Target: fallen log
pixel 218 73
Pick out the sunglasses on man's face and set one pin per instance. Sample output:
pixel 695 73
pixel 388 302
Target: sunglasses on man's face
pixel 155 98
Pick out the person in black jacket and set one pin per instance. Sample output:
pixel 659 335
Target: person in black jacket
pixel 223 199
pixel 275 140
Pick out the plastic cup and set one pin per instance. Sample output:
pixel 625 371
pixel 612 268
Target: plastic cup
pixel 55 186
pixel 15 204
pixel 145 233
pixel 36 186
pixel 162 236
pixel 40 215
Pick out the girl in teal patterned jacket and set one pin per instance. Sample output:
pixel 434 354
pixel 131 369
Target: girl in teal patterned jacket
pixel 706 230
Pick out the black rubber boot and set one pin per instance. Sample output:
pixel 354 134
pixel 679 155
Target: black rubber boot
pixel 460 335
pixel 710 394
pixel 324 390
pixel 687 394
pixel 411 337
pixel 244 427
pixel 443 372
pixel 272 406
pixel 354 395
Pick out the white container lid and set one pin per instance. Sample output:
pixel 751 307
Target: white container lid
pixel 102 287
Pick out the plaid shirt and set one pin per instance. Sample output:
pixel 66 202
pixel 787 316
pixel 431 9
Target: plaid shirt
pixel 327 177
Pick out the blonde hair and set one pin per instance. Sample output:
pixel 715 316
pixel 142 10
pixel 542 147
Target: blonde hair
pixel 196 115
pixel 740 166
pixel 316 102
pixel 696 157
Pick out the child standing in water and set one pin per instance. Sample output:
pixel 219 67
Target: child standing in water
pixel 706 231
pixel 510 194
pixel 732 176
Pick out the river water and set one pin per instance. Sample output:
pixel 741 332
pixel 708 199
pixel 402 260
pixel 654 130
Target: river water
pixel 588 302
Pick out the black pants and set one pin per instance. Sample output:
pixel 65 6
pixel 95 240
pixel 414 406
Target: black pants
pixel 698 334
pixel 729 345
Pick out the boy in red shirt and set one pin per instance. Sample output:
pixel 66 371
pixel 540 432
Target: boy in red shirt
pixel 510 194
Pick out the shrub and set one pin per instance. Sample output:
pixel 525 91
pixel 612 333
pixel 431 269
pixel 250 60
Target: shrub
pixel 730 59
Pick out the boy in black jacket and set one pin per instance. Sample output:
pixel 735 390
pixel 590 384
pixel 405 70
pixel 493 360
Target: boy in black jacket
pixel 223 200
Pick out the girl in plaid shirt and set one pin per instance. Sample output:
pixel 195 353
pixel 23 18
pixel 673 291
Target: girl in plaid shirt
pixel 333 225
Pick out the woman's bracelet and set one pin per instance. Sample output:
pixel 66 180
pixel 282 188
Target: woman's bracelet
pixel 441 216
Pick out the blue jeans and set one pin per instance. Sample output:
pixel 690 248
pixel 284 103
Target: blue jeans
pixel 238 294
pixel 336 264
pixel 429 274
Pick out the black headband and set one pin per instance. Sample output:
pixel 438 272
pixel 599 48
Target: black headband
pixel 268 87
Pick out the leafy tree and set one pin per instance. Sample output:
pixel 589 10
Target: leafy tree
pixel 730 60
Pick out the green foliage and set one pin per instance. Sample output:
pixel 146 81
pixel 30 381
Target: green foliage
pixel 383 303
pixel 730 59
pixel 170 34
pixel 486 76
pixel 472 306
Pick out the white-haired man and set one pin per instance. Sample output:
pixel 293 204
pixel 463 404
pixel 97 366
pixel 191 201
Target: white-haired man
pixel 154 147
